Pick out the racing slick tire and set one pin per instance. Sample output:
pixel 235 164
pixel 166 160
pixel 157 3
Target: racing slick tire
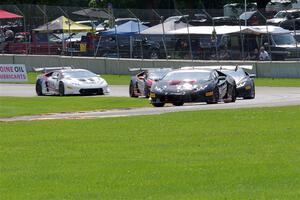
pixel 147 92
pixel 178 104
pixel 158 104
pixel 131 90
pixel 252 93
pixel 61 89
pixel 38 88
pixel 216 97
pixel 233 94
pixel 100 92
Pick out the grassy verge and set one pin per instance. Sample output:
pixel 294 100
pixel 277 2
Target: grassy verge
pixel 278 82
pixel 124 80
pixel 224 154
pixel 116 79
pixel 16 106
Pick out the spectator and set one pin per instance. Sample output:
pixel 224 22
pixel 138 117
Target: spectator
pixel 9 34
pixel 254 55
pixel 263 55
pixel 224 54
pixel 184 51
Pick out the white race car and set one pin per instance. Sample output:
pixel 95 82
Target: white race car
pixel 67 81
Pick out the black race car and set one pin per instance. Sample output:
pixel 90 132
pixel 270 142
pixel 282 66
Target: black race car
pixel 141 83
pixel 193 85
pixel 245 87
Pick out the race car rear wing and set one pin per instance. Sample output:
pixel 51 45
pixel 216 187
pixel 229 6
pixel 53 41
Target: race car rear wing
pixel 220 67
pixel 47 69
pixel 145 69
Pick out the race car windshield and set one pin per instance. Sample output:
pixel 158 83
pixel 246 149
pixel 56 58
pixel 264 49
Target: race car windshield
pixel 235 74
pixel 79 74
pixel 157 74
pixel 192 75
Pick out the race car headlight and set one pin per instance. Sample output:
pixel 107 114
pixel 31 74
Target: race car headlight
pixel 202 87
pixel 101 81
pixel 241 84
pixel 158 89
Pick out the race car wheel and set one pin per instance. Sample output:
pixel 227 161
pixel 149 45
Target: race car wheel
pixel 61 89
pixel 233 94
pixel 38 88
pixel 252 93
pixel 178 104
pixel 158 104
pixel 215 98
pixel 131 90
pixel 100 92
pixel 147 92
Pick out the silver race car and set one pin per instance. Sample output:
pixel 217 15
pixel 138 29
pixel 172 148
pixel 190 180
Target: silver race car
pixel 245 87
pixel 67 81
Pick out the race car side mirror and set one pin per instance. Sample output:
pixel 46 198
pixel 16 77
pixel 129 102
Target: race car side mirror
pixel 222 78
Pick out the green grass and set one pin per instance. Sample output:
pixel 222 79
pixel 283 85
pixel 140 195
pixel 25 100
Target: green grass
pixel 16 106
pixel 125 79
pixel 116 79
pixel 224 154
pixel 278 82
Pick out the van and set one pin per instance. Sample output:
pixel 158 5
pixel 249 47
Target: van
pixel 279 46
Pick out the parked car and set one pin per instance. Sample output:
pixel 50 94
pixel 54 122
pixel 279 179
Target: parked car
pixel 293 24
pixel 34 43
pixel 285 17
pixel 191 84
pixel 278 5
pixel 279 46
pixel 141 83
pixel 296 35
pixel 67 81
pixel 236 9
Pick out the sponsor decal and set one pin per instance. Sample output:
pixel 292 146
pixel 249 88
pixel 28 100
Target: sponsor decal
pixel 13 73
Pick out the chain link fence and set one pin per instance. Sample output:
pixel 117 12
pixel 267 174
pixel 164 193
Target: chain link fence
pixel 176 34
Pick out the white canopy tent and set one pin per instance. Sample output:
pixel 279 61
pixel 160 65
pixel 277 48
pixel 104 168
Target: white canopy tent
pixel 220 30
pixel 165 27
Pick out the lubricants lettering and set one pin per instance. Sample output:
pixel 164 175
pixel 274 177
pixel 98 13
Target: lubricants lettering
pixel 13 76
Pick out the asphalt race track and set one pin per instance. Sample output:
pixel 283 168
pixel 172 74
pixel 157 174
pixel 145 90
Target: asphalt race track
pixel 265 97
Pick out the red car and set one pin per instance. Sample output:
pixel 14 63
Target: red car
pixel 35 43
pixel 141 83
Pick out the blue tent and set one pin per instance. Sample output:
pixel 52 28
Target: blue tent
pixel 126 29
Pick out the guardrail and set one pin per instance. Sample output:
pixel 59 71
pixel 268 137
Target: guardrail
pixel 275 69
